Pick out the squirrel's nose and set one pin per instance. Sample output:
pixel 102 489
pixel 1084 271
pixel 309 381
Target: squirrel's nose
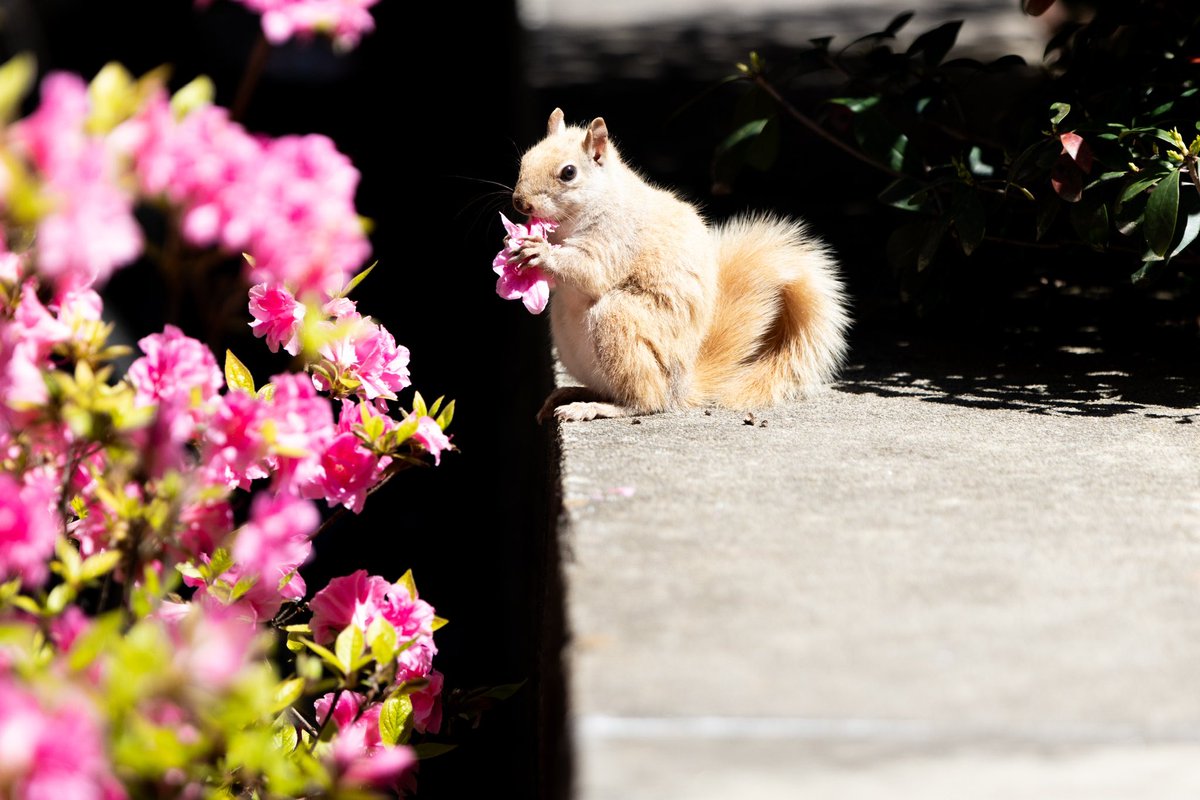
pixel 522 205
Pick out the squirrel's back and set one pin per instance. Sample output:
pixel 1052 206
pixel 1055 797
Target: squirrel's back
pixel 779 329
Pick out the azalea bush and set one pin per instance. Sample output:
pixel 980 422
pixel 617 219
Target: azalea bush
pixel 157 638
pixel 1094 148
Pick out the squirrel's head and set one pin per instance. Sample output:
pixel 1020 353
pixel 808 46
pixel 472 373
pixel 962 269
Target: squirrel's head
pixel 566 172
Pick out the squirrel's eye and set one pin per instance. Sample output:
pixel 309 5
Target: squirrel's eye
pixel 568 172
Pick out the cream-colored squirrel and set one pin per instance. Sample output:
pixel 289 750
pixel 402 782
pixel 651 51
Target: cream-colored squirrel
pixel 653 309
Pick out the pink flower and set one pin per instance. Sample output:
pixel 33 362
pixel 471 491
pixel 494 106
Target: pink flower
pixel 67 627
pixel 347 472
pixel 275 542
pixel 90 230
pixel 213 643
pixel 300 425
pixel 277 316
pixel 344 20
pixel 366 359
pixel 427 704
pixel 174 368
pixel 28 528
pixel 205 524
pixel 432 438
pixel 529 284
pixel 51 753
pixel 234 449
pixel 362 759
pixel 358 598
pixel 344 713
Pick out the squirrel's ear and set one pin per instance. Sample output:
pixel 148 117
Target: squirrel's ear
pixel 556 124
pixel 595 143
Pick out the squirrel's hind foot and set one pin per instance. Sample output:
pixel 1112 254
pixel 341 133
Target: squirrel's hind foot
pixel 578 403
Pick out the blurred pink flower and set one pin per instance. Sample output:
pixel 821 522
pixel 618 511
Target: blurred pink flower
pixel 344 20
pixel 234 448
pixel 213 643
pixel 344 713
pixel 277 316
pixel 205 524
pixel 51 754
pixel 362 759
pixel 528 284
pixel 67 627
pixel 28 527
pixel 432 438
pixel 275 541
pixel 301 426
pixel 90 230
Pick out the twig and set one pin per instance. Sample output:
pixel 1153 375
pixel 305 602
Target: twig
pixel 254 69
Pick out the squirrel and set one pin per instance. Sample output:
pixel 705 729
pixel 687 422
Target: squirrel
pixel 654 309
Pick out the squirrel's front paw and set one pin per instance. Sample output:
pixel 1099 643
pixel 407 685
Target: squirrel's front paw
pixel 533 251
pixel 578 412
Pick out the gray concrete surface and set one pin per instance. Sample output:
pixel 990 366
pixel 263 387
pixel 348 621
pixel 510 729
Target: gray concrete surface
pixel 949 576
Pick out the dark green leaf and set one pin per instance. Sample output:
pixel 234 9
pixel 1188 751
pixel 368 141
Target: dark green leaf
pixel 936 43
pixel 970 220
pixel 898 22
pixel 908 194
pixel 426 750
pixel 504 691
pixel 856 104
pixel 904 243
pixel 1191 228
pixel 1140 183
pixel 744 132
pixel 763 148
pixel 933 241
pixel 1162 210
pixel 1047 212
pixel 1090 220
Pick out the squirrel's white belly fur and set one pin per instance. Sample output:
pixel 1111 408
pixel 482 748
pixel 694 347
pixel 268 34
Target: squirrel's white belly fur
pixel 569 327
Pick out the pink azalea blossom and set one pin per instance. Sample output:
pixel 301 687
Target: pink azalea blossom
pixel 52 753
pixel 204 525
pixel 213 643
pixel 432 438
pixel 277 316
pixel 300 426
pixel 358 598
pixel 67 627
pixel 28 528
pixel 275 542
pixel 528 284
pixel 346 473
pixel 90 229
pixel 235 448
pixel 367 355
pixel 427 704
pixel 344 20
pixel 174 368
pixel 362 759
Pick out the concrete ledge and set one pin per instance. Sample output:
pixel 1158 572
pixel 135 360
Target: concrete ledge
pixel 947 574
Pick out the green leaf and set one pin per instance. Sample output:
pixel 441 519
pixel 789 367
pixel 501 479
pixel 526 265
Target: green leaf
pixel 58 598
pixel 447 416
pixel 266 392
pixel 286 693
pixel 743 133
pixel 439 622
pixel 1140 183
pixel 395 719
pixel 931 244
pixel 504 691
pixel 409 583
pixel 1144 271
pixel 70 560
pixel 237 376
pixel 907 194
pixel 1191 228
pixel 1090 220
pixel 105 629
pixel 898 22
pixel 192 95
pixel 970 220
pixel 16 79
pixel 381 637
pixel 426 750
pixel 286 738
pixel 764 148
pixel 357 279
pixel 1058 112
pixel 326 656
pixel 1047 212
pixel 99 564
pixel 857 104
pixel 419 408
pixel 1162 212
pixel 348 647
pixel 935 44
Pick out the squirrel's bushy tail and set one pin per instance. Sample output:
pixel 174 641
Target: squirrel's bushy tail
pixel 781 320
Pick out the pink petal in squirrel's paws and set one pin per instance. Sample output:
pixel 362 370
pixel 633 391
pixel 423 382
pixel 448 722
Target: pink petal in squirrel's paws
pixel 517 265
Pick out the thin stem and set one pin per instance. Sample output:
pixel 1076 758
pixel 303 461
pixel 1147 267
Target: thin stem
pixel 254 70
pixel 328 718
pixel 393 469
pixel 813 126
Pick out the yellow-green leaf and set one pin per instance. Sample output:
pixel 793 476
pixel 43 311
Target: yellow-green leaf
pixel 395 719
pixel 198 92
pixel 99 564
pixel 406 580
pixel 16 79
pixel 439 622
pixel 348 646
pixel 237 376
pixel 381 636
pixel 286 693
